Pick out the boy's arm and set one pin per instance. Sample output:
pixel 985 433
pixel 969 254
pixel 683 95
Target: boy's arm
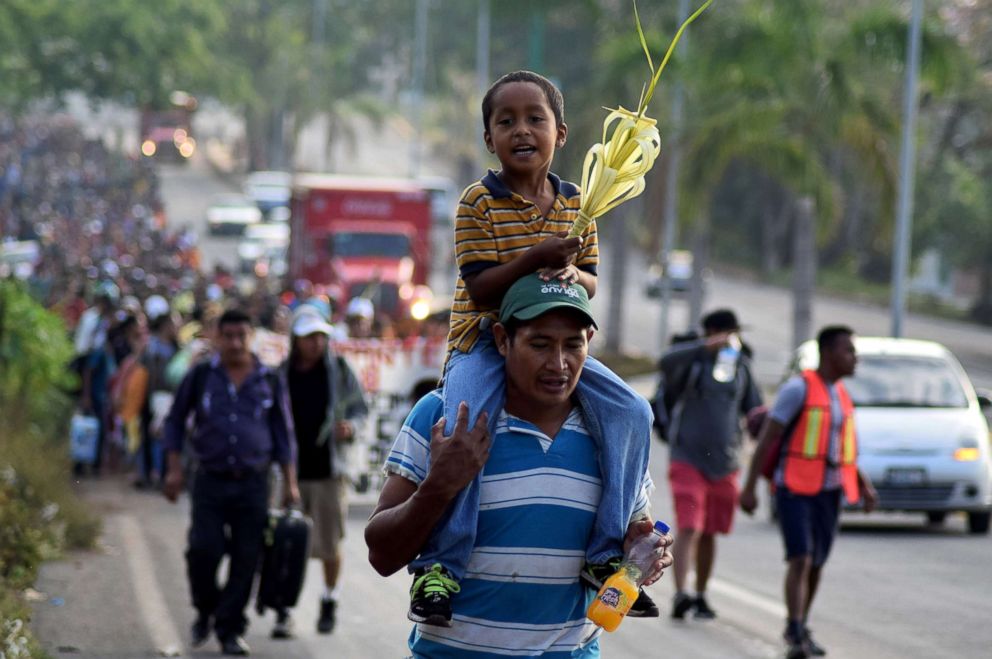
pixel 588 280
pixel 587 260
pixel 488 285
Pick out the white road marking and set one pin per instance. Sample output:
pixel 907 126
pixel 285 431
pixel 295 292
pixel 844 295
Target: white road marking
pixel 148 594
pixel 752 599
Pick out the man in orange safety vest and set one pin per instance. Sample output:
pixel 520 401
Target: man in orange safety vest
pixel 808 447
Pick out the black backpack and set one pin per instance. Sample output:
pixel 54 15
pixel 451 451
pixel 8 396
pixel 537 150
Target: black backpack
pixel 667 399
pixel 668 394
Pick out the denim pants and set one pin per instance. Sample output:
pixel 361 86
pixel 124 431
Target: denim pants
pixel 616 416
pixel 228 517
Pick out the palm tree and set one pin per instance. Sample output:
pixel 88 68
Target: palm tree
pixel 797 96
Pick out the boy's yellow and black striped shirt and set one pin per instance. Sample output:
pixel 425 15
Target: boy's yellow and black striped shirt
pixel 495 225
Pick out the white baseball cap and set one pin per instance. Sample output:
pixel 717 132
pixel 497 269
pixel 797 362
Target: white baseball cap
pixel 311 323
pixel 156 306
pixel 360 306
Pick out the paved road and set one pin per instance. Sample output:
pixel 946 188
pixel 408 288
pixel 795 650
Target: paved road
pixel 894 587
pixel 186 190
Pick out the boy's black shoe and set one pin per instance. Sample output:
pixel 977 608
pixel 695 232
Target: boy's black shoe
pixel 643 607
pixel 703 610
pixel 593 575
pixel 430 596
pixel 681 604
pixel 200 631
pixel 325 624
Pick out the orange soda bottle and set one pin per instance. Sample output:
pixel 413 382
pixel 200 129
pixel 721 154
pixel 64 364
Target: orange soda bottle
pixel 620 591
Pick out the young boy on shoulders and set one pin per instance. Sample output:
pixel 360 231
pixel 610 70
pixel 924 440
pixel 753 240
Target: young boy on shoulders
pixel 512 223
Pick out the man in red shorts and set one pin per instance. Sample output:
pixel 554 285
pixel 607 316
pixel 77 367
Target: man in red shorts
pixel 714 392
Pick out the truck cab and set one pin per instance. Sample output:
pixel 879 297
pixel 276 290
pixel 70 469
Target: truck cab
pixel 364 237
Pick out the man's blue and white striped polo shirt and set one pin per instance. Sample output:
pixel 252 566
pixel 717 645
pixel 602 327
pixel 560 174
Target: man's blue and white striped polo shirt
pixel 521 594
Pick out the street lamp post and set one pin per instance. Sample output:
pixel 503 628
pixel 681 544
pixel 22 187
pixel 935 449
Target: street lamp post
pixel 419 73
pixel 482 30
pixel 670 210
pixel 907 175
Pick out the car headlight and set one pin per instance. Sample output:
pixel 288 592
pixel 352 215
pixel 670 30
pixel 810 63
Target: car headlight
pixel 967 451
pixel 420 309
pixel 967 454
pixel 187 148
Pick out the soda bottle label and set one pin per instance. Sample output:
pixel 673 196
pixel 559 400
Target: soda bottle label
pixel 611 597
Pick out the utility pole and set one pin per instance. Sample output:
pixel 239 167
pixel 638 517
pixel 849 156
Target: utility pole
pixel 319 21
pixel 700 264
pixel 803 271
pixel 670 209
pixel 907 175
pixel 317 36
pixel 419 73
pixel 482 48
pixel 618 276
pixel 535 38
pixel 482 66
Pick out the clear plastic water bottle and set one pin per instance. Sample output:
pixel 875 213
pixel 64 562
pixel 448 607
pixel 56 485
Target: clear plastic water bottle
pixel 725 366
pixel 620 591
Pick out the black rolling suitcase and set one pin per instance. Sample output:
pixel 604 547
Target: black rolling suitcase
pixel 284 560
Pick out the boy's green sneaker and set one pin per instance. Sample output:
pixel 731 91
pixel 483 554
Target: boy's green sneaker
pixel 430 596
pixel 594 574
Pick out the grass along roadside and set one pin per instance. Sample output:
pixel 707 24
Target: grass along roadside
pixel 40 517
pixel 629 365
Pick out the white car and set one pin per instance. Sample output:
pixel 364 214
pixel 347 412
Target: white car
pixel 231 214
pixel 18 258
pixel 922 433
pixel 270 191
pixel 263 249
pixel 679 274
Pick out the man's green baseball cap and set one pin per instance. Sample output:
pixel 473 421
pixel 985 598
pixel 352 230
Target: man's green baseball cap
pixel 531 296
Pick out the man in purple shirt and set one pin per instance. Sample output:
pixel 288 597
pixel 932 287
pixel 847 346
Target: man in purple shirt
pixel 241 424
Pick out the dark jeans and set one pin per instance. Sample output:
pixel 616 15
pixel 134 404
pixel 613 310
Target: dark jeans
pixel 150 454
pixel 228 516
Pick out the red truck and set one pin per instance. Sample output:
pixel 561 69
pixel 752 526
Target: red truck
pixel 363 237
pixel 166 132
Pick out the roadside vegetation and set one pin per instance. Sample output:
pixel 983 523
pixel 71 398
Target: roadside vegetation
pixel 40 516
